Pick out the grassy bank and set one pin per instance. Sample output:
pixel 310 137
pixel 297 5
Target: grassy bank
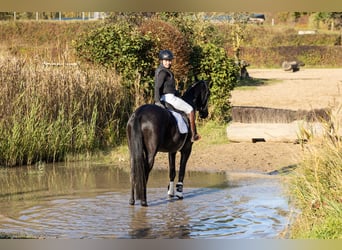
pixel 263 46
pixel 316 189
pixel 267 46
pixel 49 41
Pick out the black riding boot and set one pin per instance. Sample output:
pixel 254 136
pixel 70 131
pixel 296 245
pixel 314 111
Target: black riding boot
pixel 194 135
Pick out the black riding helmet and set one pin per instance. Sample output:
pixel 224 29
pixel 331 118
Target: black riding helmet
pixel 165 55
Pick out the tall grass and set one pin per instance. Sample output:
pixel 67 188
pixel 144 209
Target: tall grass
pixel 316 187
pixel 48 113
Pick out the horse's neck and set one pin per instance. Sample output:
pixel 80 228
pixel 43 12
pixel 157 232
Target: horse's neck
pixel 189 98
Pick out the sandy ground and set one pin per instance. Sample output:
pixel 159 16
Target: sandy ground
pixel 305 89
pixel 240 157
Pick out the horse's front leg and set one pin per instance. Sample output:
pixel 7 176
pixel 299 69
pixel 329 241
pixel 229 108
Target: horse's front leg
pixel 172 174
pixel 185 154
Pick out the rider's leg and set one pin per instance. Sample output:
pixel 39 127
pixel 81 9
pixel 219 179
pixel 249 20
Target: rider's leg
pixel 180 104
pixel 194 135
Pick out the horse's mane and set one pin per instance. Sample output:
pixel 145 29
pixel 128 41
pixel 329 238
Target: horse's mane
pixel 190 89
pixel 189 94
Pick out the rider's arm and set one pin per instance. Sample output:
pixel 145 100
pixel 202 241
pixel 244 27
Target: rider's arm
pixel 158 87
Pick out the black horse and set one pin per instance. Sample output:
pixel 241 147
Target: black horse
pixel 152 129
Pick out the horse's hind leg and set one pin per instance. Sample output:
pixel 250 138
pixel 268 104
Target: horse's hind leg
pixel 132 200
pixel 144 200
pixel 172 174
pixel 149 162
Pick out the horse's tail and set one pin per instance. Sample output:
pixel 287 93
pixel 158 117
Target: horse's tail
pixel 138 158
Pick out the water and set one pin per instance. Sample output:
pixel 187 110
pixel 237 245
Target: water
pixel 91 201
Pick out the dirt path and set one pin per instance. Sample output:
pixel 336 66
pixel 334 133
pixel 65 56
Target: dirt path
pixel 306 89
pixel 240 157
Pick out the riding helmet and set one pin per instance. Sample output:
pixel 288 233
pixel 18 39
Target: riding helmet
pixel 165 55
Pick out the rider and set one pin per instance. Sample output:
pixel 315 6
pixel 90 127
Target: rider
pixel 165 90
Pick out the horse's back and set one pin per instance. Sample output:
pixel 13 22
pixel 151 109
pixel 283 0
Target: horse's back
pixel 158 127
pixel 149 114
pixel 149 119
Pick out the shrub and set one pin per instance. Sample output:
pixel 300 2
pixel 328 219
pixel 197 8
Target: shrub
pixel 166 36
pixel 133 52
pixel 120 46
pixel 212 63
pixel 131 49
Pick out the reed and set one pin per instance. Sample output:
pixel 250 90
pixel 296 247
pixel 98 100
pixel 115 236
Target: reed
pixel 316 186
pixel 48 113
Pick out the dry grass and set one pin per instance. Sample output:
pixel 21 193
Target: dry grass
pixel 47 113
pixel 316 187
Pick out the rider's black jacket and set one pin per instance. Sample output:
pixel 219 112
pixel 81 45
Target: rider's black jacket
pixel 164 82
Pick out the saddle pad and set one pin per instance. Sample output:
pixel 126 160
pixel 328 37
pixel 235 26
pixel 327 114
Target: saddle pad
pixel 183 128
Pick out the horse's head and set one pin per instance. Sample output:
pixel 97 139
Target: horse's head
pixel 198 96
pixel 203 99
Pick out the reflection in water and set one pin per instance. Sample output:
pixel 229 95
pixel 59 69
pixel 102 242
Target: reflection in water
pixel 170 222
pixel 91 201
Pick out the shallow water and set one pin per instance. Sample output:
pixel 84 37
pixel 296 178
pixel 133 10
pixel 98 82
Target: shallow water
pixel 91 201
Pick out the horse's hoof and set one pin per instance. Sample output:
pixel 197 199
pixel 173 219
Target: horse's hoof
pixel 131 202
pixel 179 190
pixel 180 197
pixel 144 203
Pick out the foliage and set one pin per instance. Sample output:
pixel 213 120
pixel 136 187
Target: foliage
pixel 48 114
pixel 119 46
pixel 316 187
pixel 195 27
pixel 161 32
pixel 208 60
pixel 214 132
pixel 211 63
pixel 130 49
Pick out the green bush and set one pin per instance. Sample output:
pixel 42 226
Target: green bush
pixel 212 63
pixel 167 36
pixel 120 46
pixel 132 49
